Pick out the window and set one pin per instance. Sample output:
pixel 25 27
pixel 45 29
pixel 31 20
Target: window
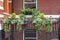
pixel 30 4
pixel 30 34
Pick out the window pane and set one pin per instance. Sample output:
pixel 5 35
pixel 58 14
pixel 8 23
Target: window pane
pixel 30 33
pixel 30 0
pixel 30 5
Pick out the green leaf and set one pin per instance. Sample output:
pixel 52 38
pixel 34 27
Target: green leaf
pixel 41 15
pixel 13 15
pixel 48 28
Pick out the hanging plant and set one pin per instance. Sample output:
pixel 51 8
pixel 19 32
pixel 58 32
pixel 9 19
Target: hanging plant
pixel 38 21
pixel 20 21
pixel 6 24
pixel 9 21
pixel 48 25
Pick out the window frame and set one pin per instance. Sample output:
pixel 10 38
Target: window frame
pixel 24 34
pixel 24 4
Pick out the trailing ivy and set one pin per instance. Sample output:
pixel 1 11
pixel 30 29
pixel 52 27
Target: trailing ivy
pixel 6 24
pixel 38 23
pixel 20 21
pixel 48 25
pixel 9 21
pixel 38 20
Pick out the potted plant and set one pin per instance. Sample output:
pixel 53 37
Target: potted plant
pixel 8 21
pixel 26 11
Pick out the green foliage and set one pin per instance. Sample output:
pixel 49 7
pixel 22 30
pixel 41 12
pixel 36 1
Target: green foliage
pixel 26 10
pixel 6 24
pixel 9 21
pixel 48 28
pixel 38 23
pixel 13 15
pixel 48 25
pixel 20 21
pixel 13 21
pixel 35 12
pixel 41 15
pixel 38 20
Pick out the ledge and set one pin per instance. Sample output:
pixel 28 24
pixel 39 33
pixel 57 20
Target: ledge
pixel 29 16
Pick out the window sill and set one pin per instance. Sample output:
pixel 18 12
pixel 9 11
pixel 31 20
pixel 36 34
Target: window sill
pixel 28 16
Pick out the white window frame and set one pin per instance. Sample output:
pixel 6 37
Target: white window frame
pixel 36 35
pixel 24 4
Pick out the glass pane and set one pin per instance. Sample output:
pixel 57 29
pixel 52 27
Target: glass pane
pixel 30 5
pixel 30 33
pixel 30 0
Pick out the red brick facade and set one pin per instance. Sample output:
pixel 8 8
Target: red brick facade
pixel 49 7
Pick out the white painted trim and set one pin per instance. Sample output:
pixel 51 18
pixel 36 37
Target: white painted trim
pixel 1 16
pixel 1 26
pixel 1 8
pixel 2 0
pixel 52 16
pixel 29 16
pixel 47 16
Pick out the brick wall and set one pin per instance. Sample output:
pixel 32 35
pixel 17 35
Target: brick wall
pixel 51 7
pixel 1 7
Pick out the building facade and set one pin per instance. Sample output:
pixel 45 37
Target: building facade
pixel 51 9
